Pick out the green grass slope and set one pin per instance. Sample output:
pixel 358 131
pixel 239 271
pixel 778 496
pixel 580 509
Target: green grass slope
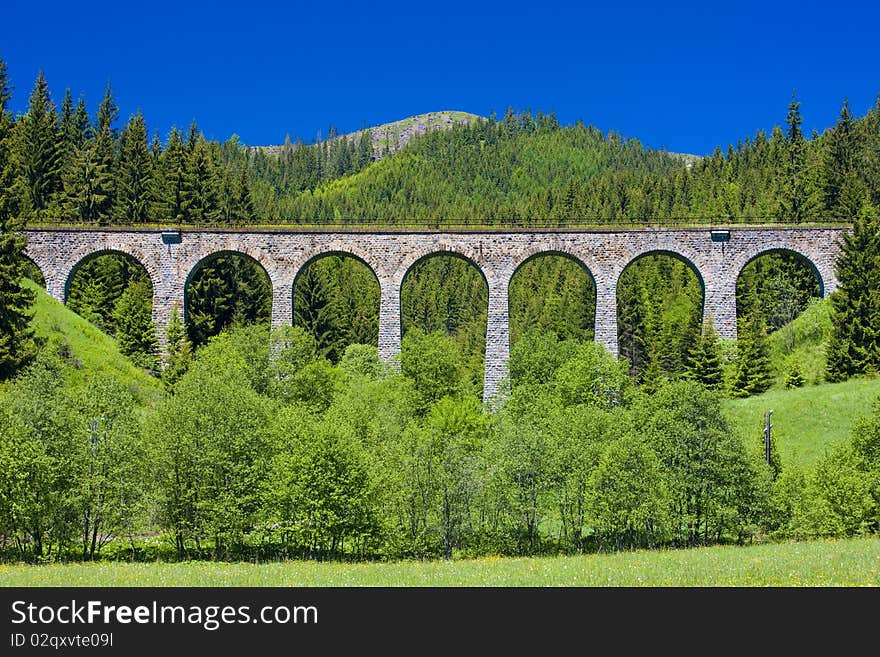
pixel 95 351
pixel 802 343
pixel 810 419
pixel 806 421
pixel 854 562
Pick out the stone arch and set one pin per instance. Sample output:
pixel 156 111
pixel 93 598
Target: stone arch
pixel 203 259
pixel 35 268
pixel 336 252
pixel 111 250
pixel 207 258
pixel 469 253
pixel 640 359
pixel 537 253
pixel 484 302
pixel 689 260
pixel 432 253
pixel 343 253
pixel 346 247
pixel 803 257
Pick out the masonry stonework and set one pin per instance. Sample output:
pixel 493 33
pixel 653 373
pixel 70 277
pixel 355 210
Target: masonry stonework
pixel 604 254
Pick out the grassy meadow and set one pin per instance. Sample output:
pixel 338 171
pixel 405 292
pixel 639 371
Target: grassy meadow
pixel 806 421
pixel 853 562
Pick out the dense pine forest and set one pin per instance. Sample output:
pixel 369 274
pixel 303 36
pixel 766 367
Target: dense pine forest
pixel 324 451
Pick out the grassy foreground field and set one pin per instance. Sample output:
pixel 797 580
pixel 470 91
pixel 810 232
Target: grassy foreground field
pixel 854 562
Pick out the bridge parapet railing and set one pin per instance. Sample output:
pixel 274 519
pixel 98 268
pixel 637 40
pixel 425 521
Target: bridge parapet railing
pixel 531 225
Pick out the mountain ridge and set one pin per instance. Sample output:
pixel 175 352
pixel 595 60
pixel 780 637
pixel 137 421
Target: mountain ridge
pixel 389 138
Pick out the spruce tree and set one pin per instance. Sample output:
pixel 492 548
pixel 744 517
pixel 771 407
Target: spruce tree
pixel 134 174
pixel 364 150
pixel 105 155
pixel 17 345
pixel 840 164
pixel 66 119
pixel 40 151
pixel 794 378
pixel 169 181
pixel 753 372
pixel 86 184
pixel 135 330
pixel 854 347
pixel 81 128
pixel 705 362
pixel 316 309
pixel 798 194
pixel 244 206
pixel 201 185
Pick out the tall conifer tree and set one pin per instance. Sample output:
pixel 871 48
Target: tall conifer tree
pixel 854 347
pixel 86 184
pixel 40 151
pixel 169 181
pixel 798 194
pixel 753 372
pixel 134 174
pixel 705 363
pixel 202 185
pixel 17 346
pixel 105 155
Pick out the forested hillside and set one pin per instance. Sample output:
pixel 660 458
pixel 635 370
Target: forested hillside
pixel 525 168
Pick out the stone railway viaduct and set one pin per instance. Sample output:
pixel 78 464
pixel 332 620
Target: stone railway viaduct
pixel 171 257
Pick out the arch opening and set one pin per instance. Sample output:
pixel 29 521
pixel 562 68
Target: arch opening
pixel 552 292
pixel 336 300
pixel 660 297
pixel 99 281
pixel 225 289
pixel 114 291
pixel 445 296
pixel 778 285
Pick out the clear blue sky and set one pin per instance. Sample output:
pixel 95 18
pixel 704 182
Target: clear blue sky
pixel 681 76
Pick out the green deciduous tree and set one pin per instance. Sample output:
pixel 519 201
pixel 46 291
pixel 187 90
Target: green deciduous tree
pixel 434 363
pixel 38 449
pixel 111 464
pixel 713 483
pixel 210 452
pixel 318 492
pixel 628 496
